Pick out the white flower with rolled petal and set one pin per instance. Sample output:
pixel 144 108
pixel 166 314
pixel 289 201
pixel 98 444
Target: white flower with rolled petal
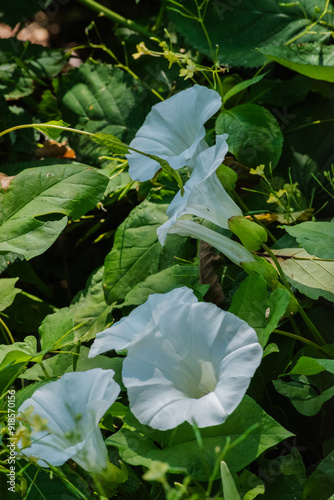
pixel 173 130
pixel 204 196
pixel 70 409
pixel 140 321
pixel 194 366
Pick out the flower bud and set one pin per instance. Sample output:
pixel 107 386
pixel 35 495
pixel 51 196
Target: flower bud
pixel 227 177
pixel 263 267
pixel 250 234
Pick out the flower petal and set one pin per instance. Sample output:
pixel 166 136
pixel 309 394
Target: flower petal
pixel 204 196
pixel 129 329
pixel 174 131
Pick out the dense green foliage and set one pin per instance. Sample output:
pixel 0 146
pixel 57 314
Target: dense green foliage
pixel 79 248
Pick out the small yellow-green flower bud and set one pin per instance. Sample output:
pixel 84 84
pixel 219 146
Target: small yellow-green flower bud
pixel 227 177
pixel 250 234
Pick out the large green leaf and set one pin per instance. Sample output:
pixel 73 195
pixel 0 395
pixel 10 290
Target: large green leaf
pixel 250 303
pixel 138 446
pixel 56 330
pixel 162 282
pixel 320 484
pixel 254 134
pixel 239 27
pixel 8 292
pixel 311 366
pixel 308 400
pixel 136 251
pixel 311 275
pixel 30 220
pixel 314 60
pixel 90 308
pixel 316 237
pixel 101 98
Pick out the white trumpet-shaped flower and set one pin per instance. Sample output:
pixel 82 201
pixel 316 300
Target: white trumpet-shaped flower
pixel 70 409
pixel 204 196
pixel 173 130
pixel 129 329
pixel 194 366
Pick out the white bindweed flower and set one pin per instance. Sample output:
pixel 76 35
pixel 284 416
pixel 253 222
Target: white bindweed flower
pixel 204 196
pixel 173 130
pixel 232 249
pixel 194 366
pixel 141 320
pixel 70 409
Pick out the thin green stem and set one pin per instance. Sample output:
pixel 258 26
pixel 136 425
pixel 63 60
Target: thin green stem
pixel 44 370
pixel 7 331
pixel 294 325
pixel 113 16
pixel 39 125
pixel 314 331
pixel 311 25
pixel 301 339
pixel 76 355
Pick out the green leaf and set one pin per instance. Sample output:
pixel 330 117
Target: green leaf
pixel 242 86
pixel 137 445
pixel 316 237
pixel 314 60
pixel 13 13
pixel 239 28
pixel 305 398
pixel 115 145
pixel 229 488
pixel 51 132
pixel 249 480
pixel 169 170
pixel 71 486
pixel 101 98
pixel 320 484
pixel 62 363
pixel 254 134
pixel 310 275
pixel 30 220
pixel 28 347
pixel 311 366
pixel 290 473
pixel 22 64
pixel 90 308
pixel 163 282
pixel 11 366
pixel 136 251
pixel 251 303
pixel 307 150
pixel 57 330
pixel 8 292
